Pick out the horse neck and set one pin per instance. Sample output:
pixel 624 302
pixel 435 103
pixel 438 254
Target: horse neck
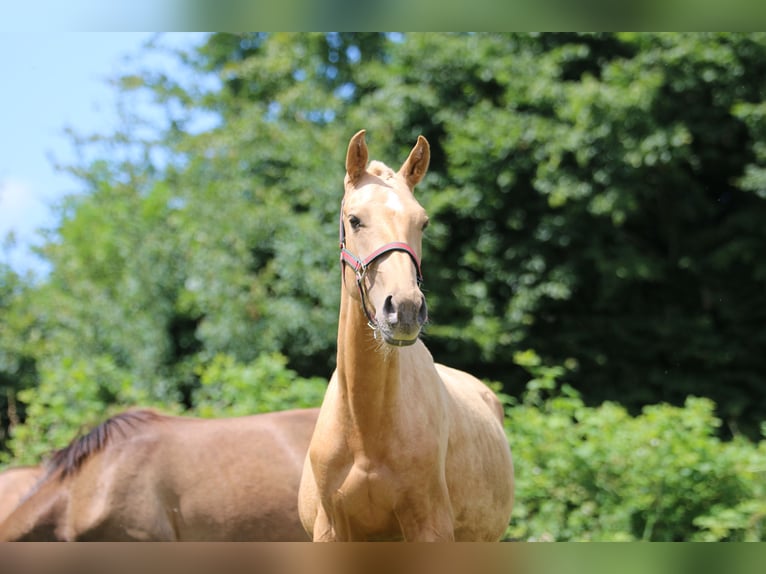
pixel 368 372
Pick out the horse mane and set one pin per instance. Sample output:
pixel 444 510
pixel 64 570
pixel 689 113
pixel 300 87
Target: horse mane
pixel 69 459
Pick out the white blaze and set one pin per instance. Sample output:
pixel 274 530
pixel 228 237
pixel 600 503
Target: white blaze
pixel 393 202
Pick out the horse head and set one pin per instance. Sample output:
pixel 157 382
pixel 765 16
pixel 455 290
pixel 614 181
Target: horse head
pixel 381 240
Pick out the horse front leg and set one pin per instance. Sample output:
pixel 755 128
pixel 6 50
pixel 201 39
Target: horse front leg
pixel 424 520
pixel 323 530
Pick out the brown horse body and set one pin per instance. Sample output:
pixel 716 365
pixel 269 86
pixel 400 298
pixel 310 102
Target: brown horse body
pixel 403 448
pixel 14 484
pixel 146 476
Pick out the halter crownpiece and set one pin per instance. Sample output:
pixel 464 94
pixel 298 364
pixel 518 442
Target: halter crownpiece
pixel 360 265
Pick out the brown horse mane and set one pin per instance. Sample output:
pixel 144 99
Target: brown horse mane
pixel 70 458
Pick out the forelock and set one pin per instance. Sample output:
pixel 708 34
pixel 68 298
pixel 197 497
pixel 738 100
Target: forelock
pixel 381 170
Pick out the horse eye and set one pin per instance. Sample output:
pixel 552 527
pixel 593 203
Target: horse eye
pixel 354 221
pixel 425 224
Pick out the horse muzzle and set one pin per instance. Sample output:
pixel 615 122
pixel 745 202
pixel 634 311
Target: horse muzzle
pixel 401 320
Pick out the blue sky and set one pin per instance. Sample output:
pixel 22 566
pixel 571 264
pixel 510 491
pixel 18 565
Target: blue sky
pixel 51 81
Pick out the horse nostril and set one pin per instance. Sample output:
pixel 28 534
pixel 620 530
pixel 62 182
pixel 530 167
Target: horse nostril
pixel 423 312
pixel 389 309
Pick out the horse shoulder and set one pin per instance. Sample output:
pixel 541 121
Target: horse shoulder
pixel 116 494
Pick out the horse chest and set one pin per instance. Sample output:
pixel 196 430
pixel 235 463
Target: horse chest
pixel 380 474
pixel 366 499
pixel 368 485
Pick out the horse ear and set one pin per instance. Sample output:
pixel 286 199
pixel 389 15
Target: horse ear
pixel 356 157
pixel 416 165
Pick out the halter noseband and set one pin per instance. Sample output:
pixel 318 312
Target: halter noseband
pixel 360 266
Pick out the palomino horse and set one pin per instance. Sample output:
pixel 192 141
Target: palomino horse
pixel 14 484
pixel 142 475
pixel 403 448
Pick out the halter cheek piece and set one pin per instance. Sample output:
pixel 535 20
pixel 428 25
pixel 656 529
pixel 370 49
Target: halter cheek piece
pixel 360 265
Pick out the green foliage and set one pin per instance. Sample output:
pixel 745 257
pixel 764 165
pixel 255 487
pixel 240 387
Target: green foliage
pixel 585 205
pixel 229 388
pixel 17 339
pixel 598 473
pixel 73 397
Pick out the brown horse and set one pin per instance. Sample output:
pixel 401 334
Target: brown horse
pixel 403 448
pixel 14 484
pixel 142 475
